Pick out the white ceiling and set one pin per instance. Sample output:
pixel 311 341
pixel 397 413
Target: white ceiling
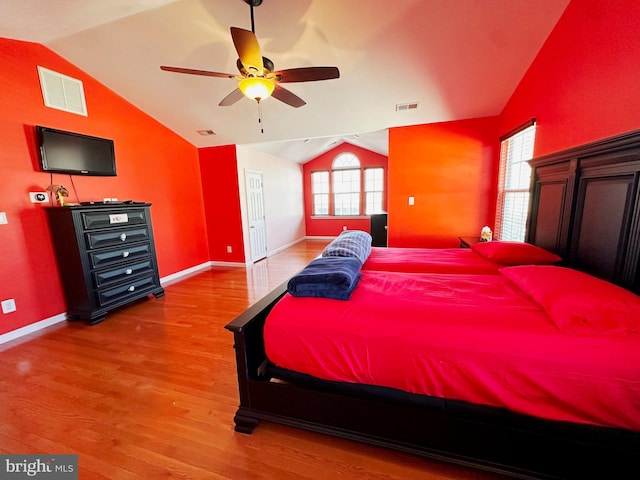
pixel 456 58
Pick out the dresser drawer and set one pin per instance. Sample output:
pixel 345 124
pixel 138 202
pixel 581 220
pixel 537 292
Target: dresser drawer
pixel 110 276
pixel 104 258
pixel 110 238
pixel 112 218
pixel 125 290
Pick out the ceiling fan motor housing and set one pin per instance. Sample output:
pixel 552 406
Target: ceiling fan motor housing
pixel 267 64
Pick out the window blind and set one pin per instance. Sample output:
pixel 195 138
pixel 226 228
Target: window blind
pixel 514 182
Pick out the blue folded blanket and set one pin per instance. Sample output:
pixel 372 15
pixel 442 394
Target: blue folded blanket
pixel 326 277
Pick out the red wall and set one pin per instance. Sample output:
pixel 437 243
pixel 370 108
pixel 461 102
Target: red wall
pixel 334 225
pixel 450 169
pixel 583 85
pixel 221 193
pixel 153 164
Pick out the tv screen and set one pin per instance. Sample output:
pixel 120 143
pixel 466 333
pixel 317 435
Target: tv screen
pixel 74 153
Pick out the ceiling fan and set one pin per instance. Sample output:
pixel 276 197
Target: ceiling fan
pixel 258 79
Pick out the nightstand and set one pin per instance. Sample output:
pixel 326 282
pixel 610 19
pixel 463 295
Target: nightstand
pixel 466 242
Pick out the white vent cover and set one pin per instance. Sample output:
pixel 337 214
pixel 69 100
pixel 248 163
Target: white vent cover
pixel 62 92
pixel 406 106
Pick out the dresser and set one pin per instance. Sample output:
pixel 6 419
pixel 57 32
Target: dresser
pixel 106 257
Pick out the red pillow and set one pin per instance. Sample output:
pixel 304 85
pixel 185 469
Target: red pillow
pixel 577 302
pixel 515 253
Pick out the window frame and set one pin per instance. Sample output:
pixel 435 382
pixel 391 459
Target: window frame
pixel 362 194
pixel 348 192
pixel 366 192
pixel 511 164
pixel 326 195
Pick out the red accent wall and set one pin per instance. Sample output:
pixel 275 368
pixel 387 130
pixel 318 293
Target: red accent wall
pixel 583 85
pixel 333 226
pixel 221 194
pixel 153 163
pixel 451 170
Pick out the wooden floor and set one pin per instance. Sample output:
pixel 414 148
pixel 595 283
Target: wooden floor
pixel 151 393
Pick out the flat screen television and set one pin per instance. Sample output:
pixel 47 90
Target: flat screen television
pixel 75 153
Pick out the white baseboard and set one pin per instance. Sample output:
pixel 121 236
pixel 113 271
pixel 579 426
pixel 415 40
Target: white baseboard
pixel 61 317
pixel 227 264
pixel 316 237
pixel 32 328
pixel 284 247
pixel 184 273
pixel 174 277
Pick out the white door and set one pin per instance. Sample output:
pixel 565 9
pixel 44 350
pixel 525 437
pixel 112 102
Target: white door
pixel 255 210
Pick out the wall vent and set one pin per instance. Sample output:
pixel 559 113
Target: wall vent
pixel 62 92
pixel 406 106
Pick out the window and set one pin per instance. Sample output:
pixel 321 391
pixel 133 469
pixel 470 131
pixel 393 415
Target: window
pixel 346 184
pixel 339 191
pixel 320 192
pixel 514 183
pixel 373 190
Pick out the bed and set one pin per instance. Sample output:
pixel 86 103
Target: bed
pixel 481 258
pixel 584 208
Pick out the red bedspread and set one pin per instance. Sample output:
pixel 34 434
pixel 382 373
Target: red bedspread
pixel 429 260
pixel 476 338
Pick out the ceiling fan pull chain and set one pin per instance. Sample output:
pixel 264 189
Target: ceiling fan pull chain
pixel 260 117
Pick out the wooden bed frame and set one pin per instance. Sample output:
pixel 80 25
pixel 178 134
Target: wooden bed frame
pixel 586 207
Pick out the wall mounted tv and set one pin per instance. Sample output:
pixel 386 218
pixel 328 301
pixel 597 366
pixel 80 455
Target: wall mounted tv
pixel 75 153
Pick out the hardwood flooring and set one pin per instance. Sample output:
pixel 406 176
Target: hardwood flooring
pixel 150 393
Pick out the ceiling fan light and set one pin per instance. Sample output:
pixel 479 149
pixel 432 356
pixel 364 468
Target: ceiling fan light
pixel 256 88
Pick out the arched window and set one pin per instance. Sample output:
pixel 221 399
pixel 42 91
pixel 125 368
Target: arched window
pixel 345 173
pixel 339 191
pixel 345 161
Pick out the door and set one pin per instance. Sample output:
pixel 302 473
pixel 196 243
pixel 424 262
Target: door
pixel 255 211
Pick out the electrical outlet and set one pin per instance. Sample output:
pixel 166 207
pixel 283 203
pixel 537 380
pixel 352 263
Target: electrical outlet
pixel 229 249
pixel 38 197
pixel 8 306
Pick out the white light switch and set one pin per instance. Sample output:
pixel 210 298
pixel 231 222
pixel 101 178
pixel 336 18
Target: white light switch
pixel 412 200
pixel 3 218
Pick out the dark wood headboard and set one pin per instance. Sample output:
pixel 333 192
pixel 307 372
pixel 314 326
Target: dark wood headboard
pixel 585 206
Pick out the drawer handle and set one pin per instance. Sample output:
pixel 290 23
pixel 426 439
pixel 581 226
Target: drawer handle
pixel 131 288
pixel 128 271
pixel 125 254
pixel 123 237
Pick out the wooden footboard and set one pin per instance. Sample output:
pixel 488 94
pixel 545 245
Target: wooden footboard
pixel 486 438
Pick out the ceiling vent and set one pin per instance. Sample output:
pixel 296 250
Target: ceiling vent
pixel 62 92
pixel 406 106
pixel 204 133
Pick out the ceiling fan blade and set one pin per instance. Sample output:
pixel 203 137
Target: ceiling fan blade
pixel 191 71
pixel 248 49
pixel 232 98
pixel 287 97
pixel 306 74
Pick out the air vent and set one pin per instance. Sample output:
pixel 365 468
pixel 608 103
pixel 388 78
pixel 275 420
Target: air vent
pixel 406 106
pixel 62 92
pixel 204 133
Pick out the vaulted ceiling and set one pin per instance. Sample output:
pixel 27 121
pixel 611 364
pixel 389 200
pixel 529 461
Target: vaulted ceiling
pixel 455 58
